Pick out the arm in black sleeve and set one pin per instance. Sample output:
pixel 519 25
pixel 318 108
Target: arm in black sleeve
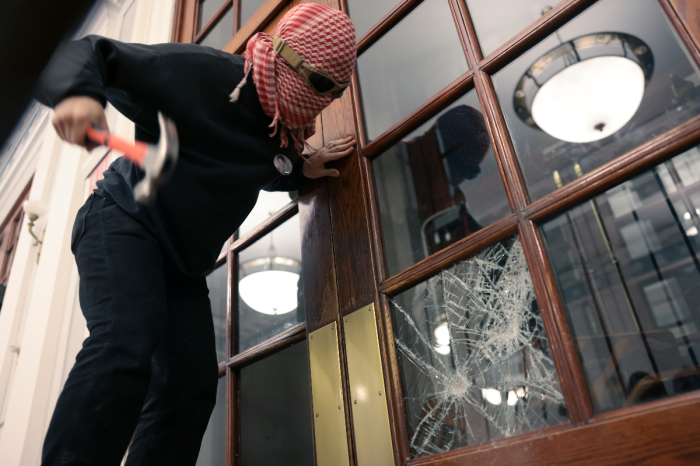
pixel 125 74
pixel 292 182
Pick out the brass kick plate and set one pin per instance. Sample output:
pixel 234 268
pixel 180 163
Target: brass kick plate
pixel 369 409
pixel 327 396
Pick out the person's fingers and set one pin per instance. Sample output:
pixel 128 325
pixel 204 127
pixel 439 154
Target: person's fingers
pixel 327 157
pixel 328 172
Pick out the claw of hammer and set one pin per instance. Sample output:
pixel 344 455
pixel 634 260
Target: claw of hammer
pixel 157 161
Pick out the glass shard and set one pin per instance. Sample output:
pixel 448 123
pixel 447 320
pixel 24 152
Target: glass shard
pixel 475 357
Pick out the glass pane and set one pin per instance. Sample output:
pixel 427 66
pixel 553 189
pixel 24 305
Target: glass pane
pixel 213 449
pixel 268 203
pixel 221 33
pixel 270 286
pixel 627 266
pixel 412 62
pixel 248 7
pixel 474 354
pixel 438 185
pixel 496 21
pixel 366 13
pixel 608 81
pixel 276 410
pixel 216 282
pixel 207 10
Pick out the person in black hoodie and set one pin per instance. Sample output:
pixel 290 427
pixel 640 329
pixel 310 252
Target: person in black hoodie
pixel 147 373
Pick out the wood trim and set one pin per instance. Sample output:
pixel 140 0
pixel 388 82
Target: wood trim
pixel 231 431
pixel 178 17
pixel 268 347
pixel 394 16
pixel 183 23
pixel 643 408
pixel 417 117
pixel 562 13
pixel 553 312
pixel 281 216
pixel 684 15
pixel 213 21
pixel 459 251
pixel 222 369
pixel 638 160
pixel 662 435
pixel 260 18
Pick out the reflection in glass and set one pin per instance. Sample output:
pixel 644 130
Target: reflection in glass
pixel 276 410
pixel 438 185
pixel 248 7
pixel 268 301
pixel 627 266
pixel 366 13
pixel 474 353
pixel 221 33
pixel 609 53
pixel 216 282
pixel 268 203
pixel 213 449
pixel 496 21
pixel 411 63
pixel 207 10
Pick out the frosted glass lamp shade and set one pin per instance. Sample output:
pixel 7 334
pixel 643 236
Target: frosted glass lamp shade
pixel 589 100
pixel 271 292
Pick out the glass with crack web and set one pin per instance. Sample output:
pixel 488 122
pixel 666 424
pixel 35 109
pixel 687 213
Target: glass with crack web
pixel 474 354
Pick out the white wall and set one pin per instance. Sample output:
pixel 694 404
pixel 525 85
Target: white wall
pixel 40 313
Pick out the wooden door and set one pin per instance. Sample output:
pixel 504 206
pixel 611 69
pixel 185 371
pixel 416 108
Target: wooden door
pixel 535 291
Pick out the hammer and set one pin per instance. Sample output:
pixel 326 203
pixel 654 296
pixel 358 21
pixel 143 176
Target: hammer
pixel 157 161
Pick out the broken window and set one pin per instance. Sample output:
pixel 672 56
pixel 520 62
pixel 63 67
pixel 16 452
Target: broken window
pixel 474 353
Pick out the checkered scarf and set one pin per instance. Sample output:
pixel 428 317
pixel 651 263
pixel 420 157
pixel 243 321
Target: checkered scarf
pixel 325 38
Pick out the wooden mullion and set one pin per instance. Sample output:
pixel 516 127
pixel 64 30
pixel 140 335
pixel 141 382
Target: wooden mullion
pixel 268 347
pixel 618 170
pixel 553 311
pixel 547 24
pixel 394 16
pixel 502 145
pixel 392 380
pixel 417 117
pixel 212 22
pixel 390 366
pixel 281 216
pixel 459 251
pixel 459 13
pixel 236 16
pixel 260 18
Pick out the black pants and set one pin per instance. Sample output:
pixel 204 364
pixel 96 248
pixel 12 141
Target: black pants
pixel 148 370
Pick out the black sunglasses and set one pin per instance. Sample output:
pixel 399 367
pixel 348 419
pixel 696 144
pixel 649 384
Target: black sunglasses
pixel 319 81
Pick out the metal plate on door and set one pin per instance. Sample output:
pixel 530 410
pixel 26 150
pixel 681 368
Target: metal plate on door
pixel 327 396
pixel 370 415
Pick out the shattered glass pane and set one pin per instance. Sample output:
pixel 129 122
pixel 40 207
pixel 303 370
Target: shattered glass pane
pixel 474 353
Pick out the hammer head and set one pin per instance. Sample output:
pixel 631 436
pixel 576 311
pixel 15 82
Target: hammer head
pixel 159 162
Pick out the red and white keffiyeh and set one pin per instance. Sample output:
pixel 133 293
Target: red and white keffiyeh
pixel 325 38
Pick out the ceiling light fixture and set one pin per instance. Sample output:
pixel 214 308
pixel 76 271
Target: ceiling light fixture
pixel 269 284
pixel 587 88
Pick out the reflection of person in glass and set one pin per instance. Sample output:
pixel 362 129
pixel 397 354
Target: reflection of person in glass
pixel 441 159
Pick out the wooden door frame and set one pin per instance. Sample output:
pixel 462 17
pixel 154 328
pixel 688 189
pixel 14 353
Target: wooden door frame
pixel 342 239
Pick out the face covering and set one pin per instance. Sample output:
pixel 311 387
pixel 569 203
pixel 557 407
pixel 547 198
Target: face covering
pixel 325 38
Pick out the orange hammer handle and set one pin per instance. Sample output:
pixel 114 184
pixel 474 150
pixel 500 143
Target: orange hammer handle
pixel 133 151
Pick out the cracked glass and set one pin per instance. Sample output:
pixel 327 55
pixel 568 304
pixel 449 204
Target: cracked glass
pixel 628 270
pixel 438 185
pixel 475 358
